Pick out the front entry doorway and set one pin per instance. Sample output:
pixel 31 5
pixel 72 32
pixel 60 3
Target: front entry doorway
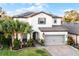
pixel 35 35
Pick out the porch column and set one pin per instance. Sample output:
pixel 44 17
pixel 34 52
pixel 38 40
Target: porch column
pixel 28 36
pixel 41 35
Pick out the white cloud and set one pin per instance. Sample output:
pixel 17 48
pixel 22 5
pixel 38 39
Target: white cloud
pixel 17 11
pixel 68 9
pixel 33 7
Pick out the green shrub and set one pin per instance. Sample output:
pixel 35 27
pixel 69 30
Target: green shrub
pixel 42 42
pixel 16 44
pixel 30 43
pixel 70 41
pixel 5 42
pixel 40 51
pixel 1 40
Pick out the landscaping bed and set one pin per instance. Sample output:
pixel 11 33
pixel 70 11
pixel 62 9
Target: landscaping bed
pixel 72 43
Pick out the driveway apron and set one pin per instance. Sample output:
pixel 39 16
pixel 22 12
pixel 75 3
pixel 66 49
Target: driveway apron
pixel 62 50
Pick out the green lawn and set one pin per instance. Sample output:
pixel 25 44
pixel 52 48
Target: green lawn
pixel 24 52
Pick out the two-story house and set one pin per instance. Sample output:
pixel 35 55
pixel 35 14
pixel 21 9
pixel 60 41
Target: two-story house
pixel 45 26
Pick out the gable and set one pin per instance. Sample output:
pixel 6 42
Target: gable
pixel 41 15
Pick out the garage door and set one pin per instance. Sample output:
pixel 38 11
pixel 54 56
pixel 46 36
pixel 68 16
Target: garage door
pixel 54 39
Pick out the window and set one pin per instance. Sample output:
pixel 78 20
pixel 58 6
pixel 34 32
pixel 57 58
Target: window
pixel 41 20
pixel 55 21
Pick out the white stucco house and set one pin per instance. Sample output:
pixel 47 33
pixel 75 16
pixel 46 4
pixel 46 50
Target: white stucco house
pixel 45 26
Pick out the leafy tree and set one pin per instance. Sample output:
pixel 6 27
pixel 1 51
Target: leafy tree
pixel 71 16
pixel 2 12
pixel 1 34
pixel 0 9
pixel 21 28
pixel 11 27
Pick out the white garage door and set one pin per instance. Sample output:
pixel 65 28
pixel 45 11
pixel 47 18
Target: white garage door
pixel 54 39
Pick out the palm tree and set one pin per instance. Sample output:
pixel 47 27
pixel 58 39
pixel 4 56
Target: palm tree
pixel 14 28
pixel 21 29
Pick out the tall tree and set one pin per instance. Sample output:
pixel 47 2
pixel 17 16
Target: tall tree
pixel 1 35
pixel 20 29
pixel 0 9
pixel 2 12
pixel 71 16
pixel 14 28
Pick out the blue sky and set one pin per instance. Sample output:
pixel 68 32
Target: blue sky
pixel 54 8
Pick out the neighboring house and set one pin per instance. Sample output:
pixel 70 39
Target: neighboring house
pixel 45 26
pixel 73 30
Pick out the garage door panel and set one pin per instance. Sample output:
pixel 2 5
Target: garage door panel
pixel 54 39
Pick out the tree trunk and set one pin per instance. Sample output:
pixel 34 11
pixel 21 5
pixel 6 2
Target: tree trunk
pixel 20 37
pixel 14 36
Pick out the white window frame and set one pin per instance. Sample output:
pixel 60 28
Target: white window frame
pixel 41 20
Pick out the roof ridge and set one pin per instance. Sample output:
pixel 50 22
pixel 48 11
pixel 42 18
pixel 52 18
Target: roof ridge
pixel 31 13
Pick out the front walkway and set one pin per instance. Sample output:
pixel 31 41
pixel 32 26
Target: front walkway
pixel 63 50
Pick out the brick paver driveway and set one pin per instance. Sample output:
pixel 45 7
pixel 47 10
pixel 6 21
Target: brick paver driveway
pixel 63 50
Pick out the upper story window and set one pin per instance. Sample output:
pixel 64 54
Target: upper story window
pixel 55 21
pixel 41 20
